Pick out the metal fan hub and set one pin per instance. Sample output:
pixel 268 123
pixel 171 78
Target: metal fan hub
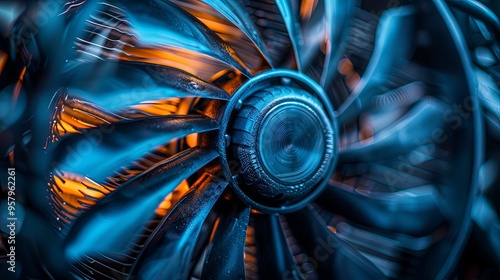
pixel 283 139
pixel 291 143
pixel 280 141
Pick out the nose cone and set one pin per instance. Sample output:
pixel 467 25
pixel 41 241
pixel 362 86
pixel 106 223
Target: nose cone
pixel 284 142
pixel 291 142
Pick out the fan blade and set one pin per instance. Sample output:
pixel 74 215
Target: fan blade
pixel 404 95
pixel 396 25
pixel 489 96
pixel 332 255
pixel 93 112
pixel 338 13
pixel 168 253
pixel 225 256
pixel 155 31
pixel 118 216
pixel 110 146
pixel 115 85
pixel 273 253
pixel 70 115
pixel 480 11
pixel 290 16
pixel 235 12
pixel 391 252
pixel 416 211
pixel 421 123
pixel 161 23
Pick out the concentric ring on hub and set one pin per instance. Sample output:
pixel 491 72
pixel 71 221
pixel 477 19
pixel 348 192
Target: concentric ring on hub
pixel 278 141
pixel 290 143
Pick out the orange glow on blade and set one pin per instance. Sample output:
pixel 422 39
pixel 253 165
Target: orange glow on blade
pixel 251 267
pixel 3 60
pixel 74 192
pixel 157 108
pixel 11 158
pixel 71 116
pixel 307 8
pixel 189 61
pixel 172 198
pixel 17 88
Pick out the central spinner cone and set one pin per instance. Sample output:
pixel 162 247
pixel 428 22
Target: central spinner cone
pixel 284 142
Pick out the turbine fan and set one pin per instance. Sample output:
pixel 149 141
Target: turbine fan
pixel 260 139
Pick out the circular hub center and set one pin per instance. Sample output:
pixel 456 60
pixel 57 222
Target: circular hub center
pixel 284 141
pixel 291 142
pixel 278 141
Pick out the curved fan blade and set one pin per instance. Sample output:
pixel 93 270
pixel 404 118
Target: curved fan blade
pixel 273 252
pixel 154 31
pixel 225 256
pixel 338 13
pixel 490 100
pixel 420 205
pixel 119 215
pixel 161 23
pixel 70 115
pixel 420 124
pixel 236 13
pixel 480 11
pixel 399 97
pixel 332 255
pixel 115 85
pixel 110 146
pixel 396 25
pixel 390 252
pixel 95 113
pixel 290 16
pixel 169 250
